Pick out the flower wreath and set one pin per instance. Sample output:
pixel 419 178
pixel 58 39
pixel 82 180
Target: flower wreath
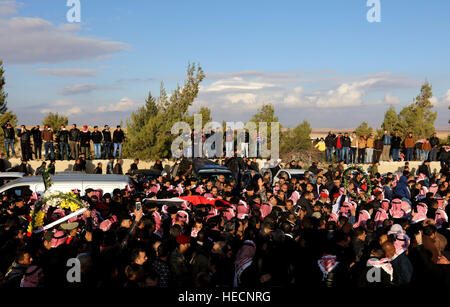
pixel 58 200
pixel 346 175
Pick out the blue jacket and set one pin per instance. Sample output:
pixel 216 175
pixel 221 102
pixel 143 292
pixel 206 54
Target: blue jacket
pixel 386 139
pixel 388 194
pixel 401 189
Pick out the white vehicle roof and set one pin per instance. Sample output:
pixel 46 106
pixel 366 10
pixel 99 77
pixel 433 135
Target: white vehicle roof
pixel 69 181
pixel 11 174
pixel 292 171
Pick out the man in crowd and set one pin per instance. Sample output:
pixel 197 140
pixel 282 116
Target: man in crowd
pixel 361 149
pixel 10 135
pixel 370 144
pixel 434 142
pixel 37 141
pixel 85 142
pixel 47 136
pixel 396 144
pixel 118 138
pixel 97 138
pixel 118 167
pixel 346 143
pixel 410 144
pixel 386 146
pixel 330 141
pixel 106 142
pixel 63 137
pixel 353 147
pixel 74 142
pixel 25 142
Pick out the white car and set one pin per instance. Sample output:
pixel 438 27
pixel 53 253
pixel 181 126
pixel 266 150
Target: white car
pixel 9 176
pixel 66 182
pixel 291 173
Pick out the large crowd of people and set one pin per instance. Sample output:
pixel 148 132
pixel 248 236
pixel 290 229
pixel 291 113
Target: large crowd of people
pixel 320 230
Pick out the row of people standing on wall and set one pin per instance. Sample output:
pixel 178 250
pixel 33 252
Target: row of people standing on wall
pixel 370 149
pixel 69 143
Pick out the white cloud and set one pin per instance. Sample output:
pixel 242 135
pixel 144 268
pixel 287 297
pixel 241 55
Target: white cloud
pixel 61 103
pixel 70 27
pixel 72 111
pixel 27 40
pixel 124 104
pixel 346 95
pixel 391 99
pixel 69 72
pixel 236 83
pixel 76 89
pixel 9 7
pixel 447 97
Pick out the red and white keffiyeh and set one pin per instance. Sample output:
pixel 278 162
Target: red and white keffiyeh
pixel 440 218
pixel 380 217
pixel 244 259
pixel 295 196
pixel 326 264
pixel 421 214
pixel 364 215
pixel 384 263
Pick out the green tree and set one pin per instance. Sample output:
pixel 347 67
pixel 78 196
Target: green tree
pixel 363 129
pixel 3 94
pixel 4 118
pixel 54 121
pixel 418 117
pixel 390 122
pixel 149 128
pixel 266 114
pixel 296 139
pixel 205 112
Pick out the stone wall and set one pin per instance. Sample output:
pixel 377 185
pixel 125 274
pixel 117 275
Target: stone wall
pixel 62 166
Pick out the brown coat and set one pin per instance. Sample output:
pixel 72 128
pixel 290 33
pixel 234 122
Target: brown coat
pixel 361 143
pixel 47 135
pixel 410 142
pixel 426 146
pixel 370 142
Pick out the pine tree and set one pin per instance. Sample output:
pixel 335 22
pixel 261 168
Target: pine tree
pixel 418 117
pixel 363 129
pixel 54 121
pixel 390 122
pixel 296 139
pixel 150 127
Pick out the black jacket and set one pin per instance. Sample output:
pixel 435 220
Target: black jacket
pixel 118 169
pixel 118 136
pixel 96 137
pixel 346 142
pixel 9 133
pixel 106 136
pixel 74 135
pixel 25 136
pixel 396 142
pixel 434 141
pixel 62 136
pixel 330 140
pixel 37 135
pixel 85 138
pixel 424 170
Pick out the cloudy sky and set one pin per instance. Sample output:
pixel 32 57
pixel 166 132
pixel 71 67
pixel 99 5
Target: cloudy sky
pixel 316 60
